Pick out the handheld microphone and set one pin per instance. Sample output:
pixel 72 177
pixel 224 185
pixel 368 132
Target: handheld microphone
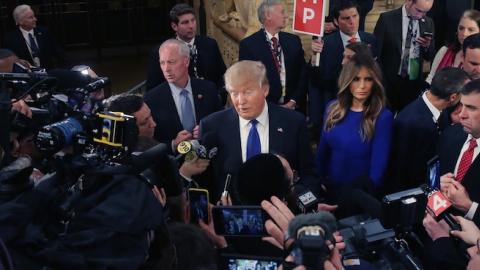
pixel 311 231
pixel 307 202
pixel 438 205
pixel 99 83
pixel 227 185
pixel 193 149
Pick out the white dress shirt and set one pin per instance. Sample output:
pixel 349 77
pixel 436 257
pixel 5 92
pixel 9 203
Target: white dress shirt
pixel 36 60
pixel 262 129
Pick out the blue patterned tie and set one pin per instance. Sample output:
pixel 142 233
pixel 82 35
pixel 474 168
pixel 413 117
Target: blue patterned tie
pixel 253 140
pixel 33 46
pixel 188 118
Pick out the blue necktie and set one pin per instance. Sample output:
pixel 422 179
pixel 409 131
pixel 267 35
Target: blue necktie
pixel 33 46
pixel 188 119
pixel 253 140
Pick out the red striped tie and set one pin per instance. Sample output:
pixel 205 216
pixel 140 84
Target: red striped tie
pixel 466 160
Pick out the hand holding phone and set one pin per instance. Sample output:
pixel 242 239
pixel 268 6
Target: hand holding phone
pixel 239 220
pixel 198 200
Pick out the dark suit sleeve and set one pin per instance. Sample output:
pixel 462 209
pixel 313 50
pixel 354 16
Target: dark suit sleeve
pixel 379 33
pixel 244 52
pixel 301 90
pixel 429 53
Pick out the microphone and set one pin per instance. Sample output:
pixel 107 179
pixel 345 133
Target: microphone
pixel 193 149
pixel 311 231
pixel 99 83
pixel 438 206
pixel 306 201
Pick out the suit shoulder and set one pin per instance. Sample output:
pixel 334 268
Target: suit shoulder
pixel 219 117
pixel 206 40
pixel 284 113
pixel 203 84
pixel 158 90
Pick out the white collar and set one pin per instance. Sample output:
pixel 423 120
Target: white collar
pixel 346 38
pixel 25 32
pixel 270 35
pixel 176 89
pixel 436 112
pixel 191 43
pixel 262 118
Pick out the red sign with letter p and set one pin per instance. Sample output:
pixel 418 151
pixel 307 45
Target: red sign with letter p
pixel 309 16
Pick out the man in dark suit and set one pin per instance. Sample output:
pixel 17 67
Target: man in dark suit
pixel 254 127
pixel 206 62
pixel 418 126
pixel 364 6
pixel 31 42
pixel 181 102
pixel 460 169
pixel 281 53
pixel 324 78
pixel 404 38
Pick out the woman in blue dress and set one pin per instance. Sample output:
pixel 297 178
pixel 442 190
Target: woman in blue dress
pixel 355 139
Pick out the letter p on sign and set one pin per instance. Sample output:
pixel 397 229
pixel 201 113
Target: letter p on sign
pixel 309 16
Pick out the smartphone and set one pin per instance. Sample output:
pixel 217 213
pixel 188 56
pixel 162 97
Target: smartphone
pixel 240 262
pixel 198 200
pixel 239 220
pixel 427 34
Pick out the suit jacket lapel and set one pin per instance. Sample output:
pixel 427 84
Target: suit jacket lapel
pixel 265 46
pixel 233 129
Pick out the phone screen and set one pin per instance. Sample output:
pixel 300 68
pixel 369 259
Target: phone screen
pixel 237 263
pixel 434 173
pixel 198 199
pixel 239 221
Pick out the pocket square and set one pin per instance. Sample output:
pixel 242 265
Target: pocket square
pixel 280 129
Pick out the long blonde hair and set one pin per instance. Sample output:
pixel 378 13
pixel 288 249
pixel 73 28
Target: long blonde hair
pixel 371 107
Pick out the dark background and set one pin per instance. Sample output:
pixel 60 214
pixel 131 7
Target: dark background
pixel 113 37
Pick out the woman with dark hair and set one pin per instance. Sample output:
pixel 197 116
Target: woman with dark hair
pixel 452 56
pixel 355 140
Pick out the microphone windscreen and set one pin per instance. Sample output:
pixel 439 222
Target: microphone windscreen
pixel 322 218
pixel 69 79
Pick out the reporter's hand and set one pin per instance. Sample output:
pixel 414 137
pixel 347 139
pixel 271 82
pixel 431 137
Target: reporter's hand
pixel 458 196
pixel 198 166
pixel 281 216
pixel 436 229
pixel 196 132
pixel 445 182
pixel 469 233
pixel 183 135
pixel 219 240
pixel 326 207
pixel 225 200
pixel 160 195
pixel 22 107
